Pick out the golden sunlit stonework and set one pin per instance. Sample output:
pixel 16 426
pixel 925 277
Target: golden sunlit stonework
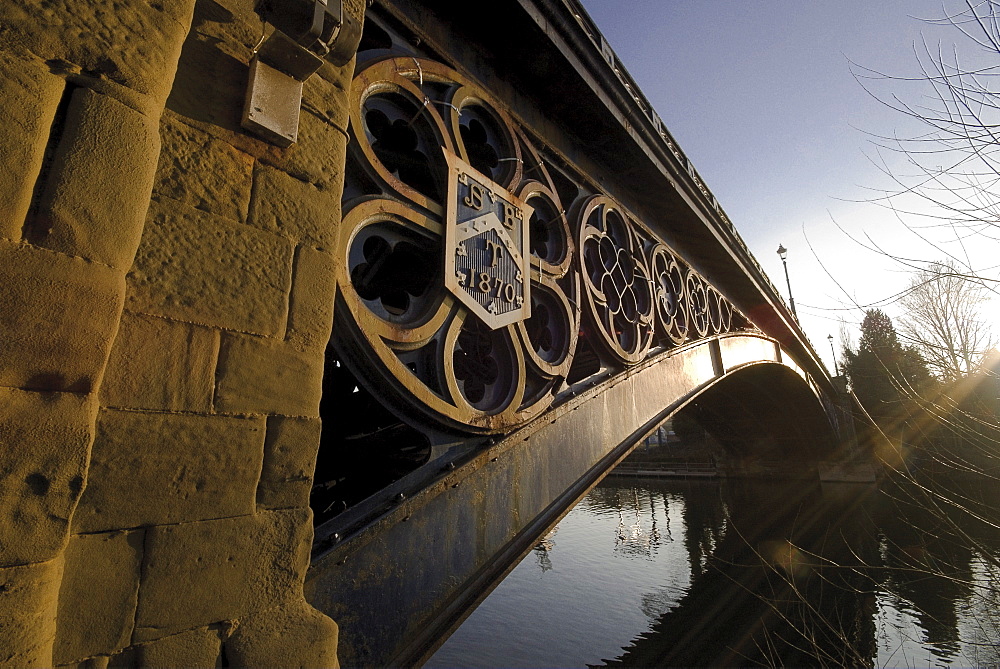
pixel 157 294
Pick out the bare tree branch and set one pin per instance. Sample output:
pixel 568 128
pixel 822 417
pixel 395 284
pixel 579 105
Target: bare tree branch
pixel 943 320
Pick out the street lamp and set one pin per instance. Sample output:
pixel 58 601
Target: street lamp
pixel 836 370
pixel 783 254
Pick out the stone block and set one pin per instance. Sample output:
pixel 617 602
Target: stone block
pixel 310 305
pixel 290 449
pixel 203 172
pixel 232 26
pixel 135 44
pixel 326 94
pixel 161 364
pixel 295 635
pixel 210 86
pixel 98 595
pixel 28 599
pixel 264 376
pixel 28 102
pixel 195 649
pixel 155 468
pixel 58 316
pixel 199 573
pixel 45 439
pixel 212 71
pixel 318 155
pixel 94 200
pixel 296 209
pixel 196 267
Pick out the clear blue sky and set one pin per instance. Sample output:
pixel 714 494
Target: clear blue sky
pixel 760 95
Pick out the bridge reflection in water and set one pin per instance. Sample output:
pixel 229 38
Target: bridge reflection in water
pixel 671 573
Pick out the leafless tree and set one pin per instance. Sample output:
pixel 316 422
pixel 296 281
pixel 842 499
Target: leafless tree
pixel 942 317
pixel 947 185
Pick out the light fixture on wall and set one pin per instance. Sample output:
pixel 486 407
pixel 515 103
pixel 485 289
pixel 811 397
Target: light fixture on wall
pixel 306 33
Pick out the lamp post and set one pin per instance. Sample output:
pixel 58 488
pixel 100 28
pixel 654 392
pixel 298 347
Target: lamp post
pixel 783 254
pixel 836 370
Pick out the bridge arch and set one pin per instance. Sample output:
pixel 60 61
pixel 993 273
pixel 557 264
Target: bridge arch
pixel 525 289
pixel 766 411
pixel 402 567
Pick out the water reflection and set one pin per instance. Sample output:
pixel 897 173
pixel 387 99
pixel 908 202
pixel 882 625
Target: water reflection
pixel 762 591
pixel 938 573
pixel 672 573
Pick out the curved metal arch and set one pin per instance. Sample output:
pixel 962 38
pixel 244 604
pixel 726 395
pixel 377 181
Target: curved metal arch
pixel 464 527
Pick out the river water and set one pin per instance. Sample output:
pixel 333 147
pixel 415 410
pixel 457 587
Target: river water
pixel 653 572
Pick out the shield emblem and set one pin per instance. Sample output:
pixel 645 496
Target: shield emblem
pixel 486 246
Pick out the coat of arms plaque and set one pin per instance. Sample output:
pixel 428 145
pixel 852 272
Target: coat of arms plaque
pixel 487 265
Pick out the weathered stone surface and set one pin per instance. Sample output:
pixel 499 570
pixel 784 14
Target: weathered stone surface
pixel 154 468
pixel 210 87
pixel 196 267
pixel 232 26
pixel 310 307
pixel 317 156
pixel 97 189
pixel 203 172
pixel 45 439
pixel 257 375
pixel 96 662
pixel 28 599
pixel 198 573
pixel 158 363
pixel 296 636
pixel 57 316
pixel 289 462
pixel 293 208
pixel 326 94
pixel 98 595
pixel 196 649
pixel 28 101
pixel 135 44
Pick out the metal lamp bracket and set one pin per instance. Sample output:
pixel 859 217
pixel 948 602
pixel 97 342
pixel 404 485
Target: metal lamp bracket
pixel 306 33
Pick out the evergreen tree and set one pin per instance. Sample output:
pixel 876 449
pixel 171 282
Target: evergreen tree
pixel 885 375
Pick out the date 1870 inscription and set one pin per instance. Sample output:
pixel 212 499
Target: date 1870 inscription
pixel 486 241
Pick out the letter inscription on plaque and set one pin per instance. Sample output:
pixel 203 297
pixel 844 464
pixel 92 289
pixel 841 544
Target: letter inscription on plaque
pixel 486 261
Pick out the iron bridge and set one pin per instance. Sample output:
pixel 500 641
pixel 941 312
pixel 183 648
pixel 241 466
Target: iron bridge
pixel 531 278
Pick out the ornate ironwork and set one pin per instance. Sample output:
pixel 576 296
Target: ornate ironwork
pixel 618 282
pixel 462 295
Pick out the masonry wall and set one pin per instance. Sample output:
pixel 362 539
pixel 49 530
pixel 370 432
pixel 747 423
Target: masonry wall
pixel 166 295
